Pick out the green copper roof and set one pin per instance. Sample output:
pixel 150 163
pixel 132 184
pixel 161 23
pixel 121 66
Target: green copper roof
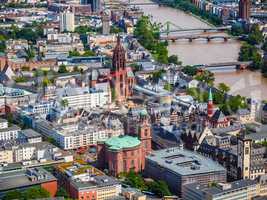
pixel 120 142
pixel 210 95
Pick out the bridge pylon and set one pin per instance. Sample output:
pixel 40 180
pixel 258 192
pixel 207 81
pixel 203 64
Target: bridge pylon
pixel 168 25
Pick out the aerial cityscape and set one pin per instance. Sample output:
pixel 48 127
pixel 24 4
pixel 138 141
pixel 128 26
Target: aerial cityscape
pixel 133 99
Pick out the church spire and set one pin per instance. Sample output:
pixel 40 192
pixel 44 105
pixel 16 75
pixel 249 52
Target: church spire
pixel 210 104
pixel 210 95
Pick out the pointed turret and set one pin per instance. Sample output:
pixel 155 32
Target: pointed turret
pixel 210 104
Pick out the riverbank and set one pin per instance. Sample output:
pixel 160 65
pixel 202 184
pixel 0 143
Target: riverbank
pixel 188 7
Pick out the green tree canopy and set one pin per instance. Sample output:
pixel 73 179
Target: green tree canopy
pixel 206 77
pixel 63 69
pixel 190 70
pixel 255 36
pixel 13 194
pixel 174 60
pixel 35 192
pixel 223 88
pixel 147 34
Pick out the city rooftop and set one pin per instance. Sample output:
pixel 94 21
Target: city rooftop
pixel 184 162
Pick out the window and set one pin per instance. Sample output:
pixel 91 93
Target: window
pixel 146 132
pixel 246 150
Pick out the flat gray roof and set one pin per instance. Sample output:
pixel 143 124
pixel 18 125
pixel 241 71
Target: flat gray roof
pixel 17 179
pixel 29 133
pixel 98 181
pixel 184 162
pixel 234 186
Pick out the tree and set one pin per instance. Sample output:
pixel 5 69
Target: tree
pixel 62 193
pixel 64 103
pixel 2 45
pixel 74 53
pixel 174 60
pixel 30 54
pixel 190 70
pixel 135 180
pixel 255 36
pixel 237 29
pixel 206 77
pixel 147 34
pixel 35 192
pixel 223 88
pixel 116 29
pixel 89 53
pixel 135 67
pixel 46 82
pixel 160 188
pixel 82 30
pixel 168 87
pixel 62 69
pixel 13 194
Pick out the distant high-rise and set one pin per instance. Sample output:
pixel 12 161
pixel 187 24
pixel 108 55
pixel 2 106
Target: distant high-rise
pixel 84 2
pixel 244 9
pixel 67 22
pixel 96 5
pixel 105 24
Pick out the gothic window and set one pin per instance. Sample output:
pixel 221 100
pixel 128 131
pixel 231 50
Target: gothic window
pixel 246 150
pixel 125 165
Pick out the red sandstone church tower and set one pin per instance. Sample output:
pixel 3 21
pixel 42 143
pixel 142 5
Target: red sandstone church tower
pixel 144 135
pixel 119 72
pixel 244 9
pixel 210 105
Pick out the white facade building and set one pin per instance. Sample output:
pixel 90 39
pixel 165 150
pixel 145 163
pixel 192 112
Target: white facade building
pixel 75 135
pixel 82 97
pixel 67 21
pixel 8 133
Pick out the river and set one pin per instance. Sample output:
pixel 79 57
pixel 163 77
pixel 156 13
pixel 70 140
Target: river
pixel 245 83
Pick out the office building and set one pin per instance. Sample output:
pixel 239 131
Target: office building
pixel 67 21
pixel 95 5
pixel 105 24
pixel 23 179
pixel 30 136
pixel 238 190
pixel 84 182
pixel 178 167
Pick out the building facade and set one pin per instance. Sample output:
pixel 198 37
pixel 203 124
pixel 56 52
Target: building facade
pixel 67 21
pixel 120 154
pixel 122 79
pixel 8 132
pixel 178 167
pixel 84 182
pixel 238 190
pixel 244 9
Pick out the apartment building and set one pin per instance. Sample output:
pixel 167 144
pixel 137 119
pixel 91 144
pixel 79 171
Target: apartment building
pixel 8 132
pixel 84 97
pixel 74 132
